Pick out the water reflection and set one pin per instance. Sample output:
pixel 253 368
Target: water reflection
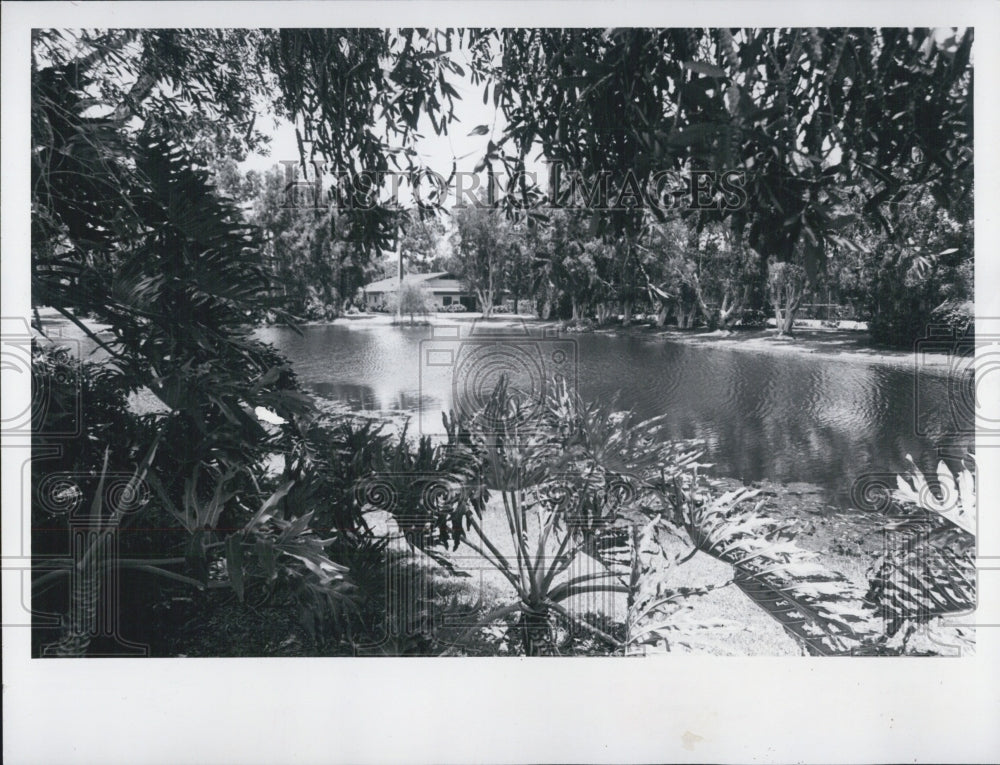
pixel 784 417
pixel 816 419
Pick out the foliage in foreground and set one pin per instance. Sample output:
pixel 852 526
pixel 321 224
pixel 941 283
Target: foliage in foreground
pixel 927 572
pixel 590 497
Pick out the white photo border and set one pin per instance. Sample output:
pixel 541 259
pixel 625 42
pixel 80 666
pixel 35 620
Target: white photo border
pixel 697 709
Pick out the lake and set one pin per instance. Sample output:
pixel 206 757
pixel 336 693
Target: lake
pixel 788 417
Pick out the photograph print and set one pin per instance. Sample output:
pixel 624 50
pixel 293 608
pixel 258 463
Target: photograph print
pixel 484 342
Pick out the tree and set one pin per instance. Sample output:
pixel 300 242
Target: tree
pixel 242 188
pixel 543 286
pixel 411 298
pixel 313 252
pixel 482 246
pixel 787 284
pixel 803 113
pixel 423 243
pixel 563 269
pixel 672 270
pixel 517 277
pixel 626 277
pixel 919 275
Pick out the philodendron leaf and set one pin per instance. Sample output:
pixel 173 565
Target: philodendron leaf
pixel 820 608
pixel 264 512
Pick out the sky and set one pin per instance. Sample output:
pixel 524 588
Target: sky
pixel 435 152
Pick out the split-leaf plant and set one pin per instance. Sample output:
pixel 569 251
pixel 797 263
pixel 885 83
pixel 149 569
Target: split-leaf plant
pixel 927 572
pixel 590 498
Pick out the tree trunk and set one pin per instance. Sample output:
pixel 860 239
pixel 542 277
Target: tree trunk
pixel 785 317
pixel 661 314
pixel 626 312
pixel 685 319
pixel 696 286
pixel 536 633
pixel 545 309
pixel 788 322
pixel 725 311
pixel 731 310
pixel 485 302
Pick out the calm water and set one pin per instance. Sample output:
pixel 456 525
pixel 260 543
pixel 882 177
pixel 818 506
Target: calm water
pixel 783 417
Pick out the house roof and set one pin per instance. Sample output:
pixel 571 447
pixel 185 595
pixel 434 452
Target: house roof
pixel 439 281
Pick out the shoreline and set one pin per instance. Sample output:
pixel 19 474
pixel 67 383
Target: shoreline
pixel 849 345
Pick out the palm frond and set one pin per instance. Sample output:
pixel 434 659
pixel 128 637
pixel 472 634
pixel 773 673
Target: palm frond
pixel 820 608
pixel 928 569
pixel 659 618
pixel 955 500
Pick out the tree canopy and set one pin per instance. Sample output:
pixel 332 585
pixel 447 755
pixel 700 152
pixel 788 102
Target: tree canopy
pixel 803 112
pixel 825 126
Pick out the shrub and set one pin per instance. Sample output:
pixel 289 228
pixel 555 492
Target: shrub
pixel 752 318
pixel 411 299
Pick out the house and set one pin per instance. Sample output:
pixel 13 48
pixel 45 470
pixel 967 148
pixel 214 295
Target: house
pixel 444 288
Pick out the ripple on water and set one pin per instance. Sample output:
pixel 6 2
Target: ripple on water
pixel 783 417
